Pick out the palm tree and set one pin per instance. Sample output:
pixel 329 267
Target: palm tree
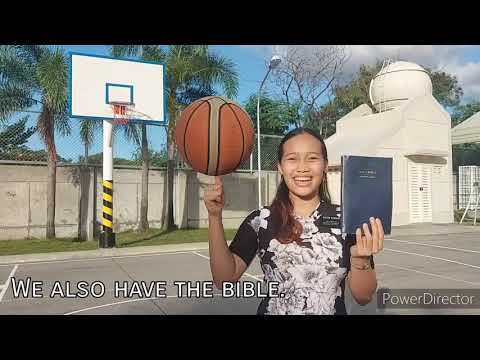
pixel 189 70
pixel 35 75
pixel 87 134
pixel 131 133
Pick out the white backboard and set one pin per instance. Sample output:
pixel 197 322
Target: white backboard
pixel 97 81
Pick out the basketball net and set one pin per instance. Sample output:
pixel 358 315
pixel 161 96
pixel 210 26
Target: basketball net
pixel 121 113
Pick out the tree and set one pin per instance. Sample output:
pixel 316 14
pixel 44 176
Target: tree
pixel 446 89
pixel 188 68
pixel 156 158
pixel 14 137
pixel 306 75
pixel 354 93
pixel 193 92
pixel 87 133
pixel 463 112
pixel 34 75
pixel 23 153
pixel 328 114
pixel 276 115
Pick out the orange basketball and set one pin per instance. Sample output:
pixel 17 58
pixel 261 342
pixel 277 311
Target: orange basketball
pixel 214 135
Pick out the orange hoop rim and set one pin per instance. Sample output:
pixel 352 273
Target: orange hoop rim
pixel 124 112
pixel 121 113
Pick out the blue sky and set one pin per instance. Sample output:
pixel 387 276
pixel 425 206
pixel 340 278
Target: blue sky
pixel 462 61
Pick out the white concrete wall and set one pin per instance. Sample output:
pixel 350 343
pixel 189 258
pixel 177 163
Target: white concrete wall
pixel 360 111
pixel 400 211
pixel 23 193
pixel 361 124
pixel 364 135
pixel 23 199
pixel 241 197
pixel 334 186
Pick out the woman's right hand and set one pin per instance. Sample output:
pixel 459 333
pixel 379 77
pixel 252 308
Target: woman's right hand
pixel 214 198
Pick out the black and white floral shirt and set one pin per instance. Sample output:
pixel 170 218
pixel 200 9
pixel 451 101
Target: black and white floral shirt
pixel 311 275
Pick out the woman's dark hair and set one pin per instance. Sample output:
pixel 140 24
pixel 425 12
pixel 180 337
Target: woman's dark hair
pixel 288 229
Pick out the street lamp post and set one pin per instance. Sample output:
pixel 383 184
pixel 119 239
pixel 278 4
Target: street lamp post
pixel 274 62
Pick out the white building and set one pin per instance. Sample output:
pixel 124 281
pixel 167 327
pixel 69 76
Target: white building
pixel 413 129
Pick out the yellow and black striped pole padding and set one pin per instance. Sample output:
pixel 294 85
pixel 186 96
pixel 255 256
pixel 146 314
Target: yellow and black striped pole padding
pixel 108 238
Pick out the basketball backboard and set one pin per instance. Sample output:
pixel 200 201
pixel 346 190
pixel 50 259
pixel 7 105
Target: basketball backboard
pixel 97 82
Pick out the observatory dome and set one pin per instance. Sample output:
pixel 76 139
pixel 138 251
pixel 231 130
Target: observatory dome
pixel 397 83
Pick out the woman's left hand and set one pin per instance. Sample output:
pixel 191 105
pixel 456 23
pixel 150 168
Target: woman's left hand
pixel 369 243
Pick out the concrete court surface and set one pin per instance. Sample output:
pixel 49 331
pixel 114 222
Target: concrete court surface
pixel 415 257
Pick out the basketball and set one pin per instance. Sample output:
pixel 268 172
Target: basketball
pixel 214 135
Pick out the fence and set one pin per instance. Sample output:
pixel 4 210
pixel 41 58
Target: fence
pixel 468 186
pixel 20 143
pixel 23 198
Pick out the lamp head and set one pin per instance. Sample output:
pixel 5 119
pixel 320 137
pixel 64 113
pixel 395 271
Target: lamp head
pixel 275 61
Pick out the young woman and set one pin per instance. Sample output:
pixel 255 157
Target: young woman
pixel 297 238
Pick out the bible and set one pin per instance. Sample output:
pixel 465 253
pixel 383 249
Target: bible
pixel 366 191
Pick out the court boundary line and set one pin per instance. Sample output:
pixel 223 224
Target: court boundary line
pixel 435 246
pixel 5 285
pixel 245 273
pixel 174 252
pixel 430 274
pixel 130 301
pixel 41 262
pixel 434 257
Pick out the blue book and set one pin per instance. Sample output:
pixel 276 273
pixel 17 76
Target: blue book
pixel 366 192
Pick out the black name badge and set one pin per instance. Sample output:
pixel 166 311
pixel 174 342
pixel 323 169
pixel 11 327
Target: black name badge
pixel 332 221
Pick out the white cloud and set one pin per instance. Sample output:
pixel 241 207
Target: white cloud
pixel 469 78
pixel 450 58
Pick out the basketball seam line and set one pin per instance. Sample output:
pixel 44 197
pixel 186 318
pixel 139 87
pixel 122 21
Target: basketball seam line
pixel 243 135
pixel 215 97
pixel 208 132
pixel 218 136
pixel 186 129
pixel 214 114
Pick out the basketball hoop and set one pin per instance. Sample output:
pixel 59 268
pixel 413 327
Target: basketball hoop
pixel 121 113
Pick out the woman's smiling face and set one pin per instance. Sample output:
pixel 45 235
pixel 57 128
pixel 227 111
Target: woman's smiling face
pixel 303 165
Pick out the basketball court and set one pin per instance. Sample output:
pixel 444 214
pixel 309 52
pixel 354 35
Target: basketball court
pixel 416 257
pixel 118 92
